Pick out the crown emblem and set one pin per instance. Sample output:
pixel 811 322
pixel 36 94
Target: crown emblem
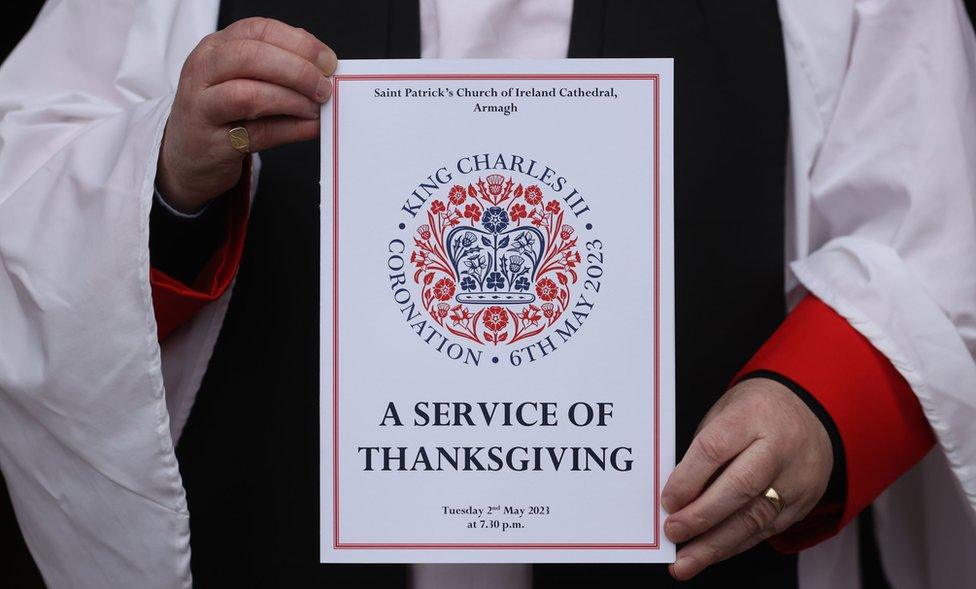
pixel 495 263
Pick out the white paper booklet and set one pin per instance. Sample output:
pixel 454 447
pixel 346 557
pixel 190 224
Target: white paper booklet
pixel 497 359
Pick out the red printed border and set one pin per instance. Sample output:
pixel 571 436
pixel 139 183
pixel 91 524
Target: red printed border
pixel 336 543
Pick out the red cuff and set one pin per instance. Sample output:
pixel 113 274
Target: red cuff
pixel 174 302
pixel 879 419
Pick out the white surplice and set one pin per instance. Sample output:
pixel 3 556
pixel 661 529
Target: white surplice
pixel 881 225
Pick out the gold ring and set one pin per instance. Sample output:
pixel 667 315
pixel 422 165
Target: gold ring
pixel 240 140
pixel 773 497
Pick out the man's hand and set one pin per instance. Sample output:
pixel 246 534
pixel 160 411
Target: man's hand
pixel 758 435
pixel 260 72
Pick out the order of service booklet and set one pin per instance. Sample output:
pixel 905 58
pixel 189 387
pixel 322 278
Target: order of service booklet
pixel 497 358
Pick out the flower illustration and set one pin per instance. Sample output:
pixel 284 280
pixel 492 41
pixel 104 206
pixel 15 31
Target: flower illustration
pixel 546 289
pixel 419 258
pixel 515 262
pixel 530 314
pixel 495 318
pixel 553 207
pixel 522 283
pixel 570 259
pixel 475 264
pixel 457 195
pixel 533 195
pixel 472 211
pixel 518 212
pixel 566 232
pixel 495 184
pixel 467 239
pixel 495 281
pixel 444 289
pixel 495 219
pixel 442 309
pixel 547 309
pixel 424 231
pixel 460 315
pixel 437 207
pixel 468 283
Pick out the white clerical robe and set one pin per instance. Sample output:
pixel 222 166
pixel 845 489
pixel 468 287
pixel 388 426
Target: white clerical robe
pixel 881 226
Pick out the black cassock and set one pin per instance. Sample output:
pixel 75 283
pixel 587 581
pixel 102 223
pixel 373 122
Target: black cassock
pixel 249 453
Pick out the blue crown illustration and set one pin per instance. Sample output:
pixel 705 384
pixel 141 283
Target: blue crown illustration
pixel 495 264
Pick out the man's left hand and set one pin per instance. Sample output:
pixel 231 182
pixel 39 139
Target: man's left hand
pixel 758 435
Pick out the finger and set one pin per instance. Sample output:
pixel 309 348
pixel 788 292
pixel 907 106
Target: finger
pixel 292 39
pixel 718 442
pixel 754 521
pixel 247 58
pixel 746 478
pixel 749 543
pixel 274 131
pixel 242 99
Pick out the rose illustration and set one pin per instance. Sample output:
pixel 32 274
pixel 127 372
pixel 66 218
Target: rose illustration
pixel 495 318
pixel 546 289
pixel 495 219
pixel 457 195
pixel 444 289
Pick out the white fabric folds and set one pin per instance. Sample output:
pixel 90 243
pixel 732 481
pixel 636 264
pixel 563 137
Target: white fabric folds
pixel 881 225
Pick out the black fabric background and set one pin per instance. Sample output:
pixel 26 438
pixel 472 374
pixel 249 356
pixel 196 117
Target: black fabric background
pixel 249 452
pixel 17 569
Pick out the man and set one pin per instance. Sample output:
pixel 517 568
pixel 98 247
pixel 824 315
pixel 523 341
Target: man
pixel 879 212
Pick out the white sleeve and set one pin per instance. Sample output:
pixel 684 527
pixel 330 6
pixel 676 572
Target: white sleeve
pixel 882 215
pixel 85 442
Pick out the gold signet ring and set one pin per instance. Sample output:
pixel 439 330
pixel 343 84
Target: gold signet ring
pixel 773 497
pixel 240 140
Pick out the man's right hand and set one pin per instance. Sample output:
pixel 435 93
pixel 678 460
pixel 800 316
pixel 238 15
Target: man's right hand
pixel 260 73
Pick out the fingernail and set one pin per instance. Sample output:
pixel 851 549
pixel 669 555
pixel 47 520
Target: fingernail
pixel 324 89
pixel 326 62
pixel 667 502
pixel 681 568
pixel 675 531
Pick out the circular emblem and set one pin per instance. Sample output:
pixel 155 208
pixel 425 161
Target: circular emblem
pixel 497 263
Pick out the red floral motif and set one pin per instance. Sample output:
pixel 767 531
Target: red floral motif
pixel 472 212
pixel 533 195
pixel 460 315
pixel 442 309
pixel 419 258
pixel 424 231
pixel 495 318
pixel 517 212
pixel 566 231
pixel 444 289
pixel 553 207
pixel 570 259
pixel 457 195
pixel 547 310
pixel 495 184
pixel 437 207
pixel 546 289
pixel 530 315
